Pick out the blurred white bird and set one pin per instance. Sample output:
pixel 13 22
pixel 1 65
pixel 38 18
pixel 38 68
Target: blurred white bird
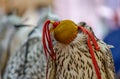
pixel 29 62
pixel 7 31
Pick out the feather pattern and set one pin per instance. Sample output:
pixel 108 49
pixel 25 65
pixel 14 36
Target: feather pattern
pixel 73 61
pixel 29 62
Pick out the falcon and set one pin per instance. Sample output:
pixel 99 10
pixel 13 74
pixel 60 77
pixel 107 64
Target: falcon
pixel 77 52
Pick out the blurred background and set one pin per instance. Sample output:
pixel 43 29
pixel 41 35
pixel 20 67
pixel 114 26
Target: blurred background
pixel 102 15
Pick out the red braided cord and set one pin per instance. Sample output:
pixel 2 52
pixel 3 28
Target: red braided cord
pixel 91 37
pixel 43 37
pixel 93 59
pixel 93 40
pixel 47 42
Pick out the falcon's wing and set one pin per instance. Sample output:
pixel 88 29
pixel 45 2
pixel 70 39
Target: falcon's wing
pixel 109 64
pixel 108 59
